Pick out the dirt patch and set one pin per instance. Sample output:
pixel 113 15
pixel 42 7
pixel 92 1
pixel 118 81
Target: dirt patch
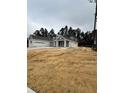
pixel 60 70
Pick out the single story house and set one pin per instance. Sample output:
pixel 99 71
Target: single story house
pixel 57 41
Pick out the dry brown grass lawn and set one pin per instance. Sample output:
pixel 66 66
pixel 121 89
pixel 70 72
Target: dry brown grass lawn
pixel 62 70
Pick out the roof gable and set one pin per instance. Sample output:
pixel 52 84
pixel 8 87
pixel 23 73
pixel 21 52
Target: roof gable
pixel 60 37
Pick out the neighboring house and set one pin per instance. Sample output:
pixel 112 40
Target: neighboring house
pixel 58 41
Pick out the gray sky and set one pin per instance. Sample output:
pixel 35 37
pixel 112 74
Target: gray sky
pixel 58 13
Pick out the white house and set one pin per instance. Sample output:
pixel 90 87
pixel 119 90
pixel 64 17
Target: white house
pixel 58 41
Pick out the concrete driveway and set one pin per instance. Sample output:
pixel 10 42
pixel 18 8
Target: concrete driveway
pixel 30 90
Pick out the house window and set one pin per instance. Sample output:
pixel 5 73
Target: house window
pixel 51 44
pixel 67 43
pixel 55 43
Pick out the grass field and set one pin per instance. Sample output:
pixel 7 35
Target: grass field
pixel 62 70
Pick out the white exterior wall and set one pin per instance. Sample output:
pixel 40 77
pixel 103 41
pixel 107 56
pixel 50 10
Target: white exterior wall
pixel 73 44
pixel 38 43
pixel 44 43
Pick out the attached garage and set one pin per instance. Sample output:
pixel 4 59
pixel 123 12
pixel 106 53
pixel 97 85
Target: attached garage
pixel 39 43
pixel 58 41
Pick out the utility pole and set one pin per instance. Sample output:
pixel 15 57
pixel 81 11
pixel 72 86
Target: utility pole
pixel 95 22
pixel 95 18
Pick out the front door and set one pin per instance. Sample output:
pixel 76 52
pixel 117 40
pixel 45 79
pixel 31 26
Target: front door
pixel 60 43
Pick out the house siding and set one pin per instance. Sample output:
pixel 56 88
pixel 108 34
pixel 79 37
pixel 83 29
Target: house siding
pixel 38 43
pixel 59 41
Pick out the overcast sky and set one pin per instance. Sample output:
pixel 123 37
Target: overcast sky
pixel 58 13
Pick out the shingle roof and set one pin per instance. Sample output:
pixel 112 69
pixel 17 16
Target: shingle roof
pixel 40 37
pixel 51 38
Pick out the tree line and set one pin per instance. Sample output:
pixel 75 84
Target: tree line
pixel 83 38
pixel 43 32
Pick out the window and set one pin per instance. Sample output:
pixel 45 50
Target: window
pixel 51 43
pixel 67 43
